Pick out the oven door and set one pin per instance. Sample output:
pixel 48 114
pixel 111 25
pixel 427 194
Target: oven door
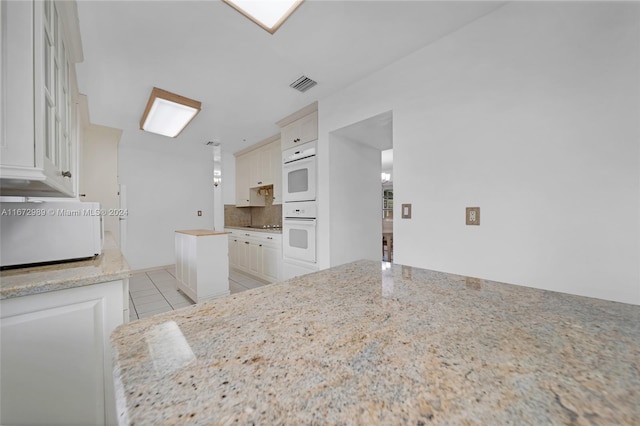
pixel 299 180
pixel 299 240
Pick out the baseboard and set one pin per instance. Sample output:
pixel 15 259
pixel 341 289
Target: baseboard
pixel 155 268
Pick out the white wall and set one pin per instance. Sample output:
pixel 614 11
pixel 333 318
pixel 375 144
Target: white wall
pixel 531 113
pixel 168 181
pixel 356 224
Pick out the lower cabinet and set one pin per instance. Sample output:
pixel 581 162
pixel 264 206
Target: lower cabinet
pixel 55 359
pixel 256 253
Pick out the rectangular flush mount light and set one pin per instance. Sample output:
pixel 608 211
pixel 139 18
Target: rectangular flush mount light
pixel 167 113
pixel 268 14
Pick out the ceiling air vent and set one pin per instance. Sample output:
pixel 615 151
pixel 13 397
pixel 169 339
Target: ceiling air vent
pixel 303 84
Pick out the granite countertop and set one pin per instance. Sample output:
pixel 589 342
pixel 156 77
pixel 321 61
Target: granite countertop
pixel 248 228
pixel 361 344
pixel 202 232
pixel 109 266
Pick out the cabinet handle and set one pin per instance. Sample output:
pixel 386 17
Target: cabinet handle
pixel 259 183
pixel 260 245
pixel 269 238
pixel 296 140
pixel 248 235
pixel 66 174
pixel 246 242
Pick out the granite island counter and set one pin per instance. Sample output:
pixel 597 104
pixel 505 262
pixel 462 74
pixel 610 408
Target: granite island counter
pixel 361 344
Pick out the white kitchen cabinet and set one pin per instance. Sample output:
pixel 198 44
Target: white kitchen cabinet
pixel 202 263
pixel 259 167
pixel 271 260
pixel 39 113
pixel 245 195
pixel 276 164
pixel 233 250
pixel 243 168
pixel 243 254
pixel 56 357
pixel 300 131
pixel 261 173
pixel 255 258
pixel 257 253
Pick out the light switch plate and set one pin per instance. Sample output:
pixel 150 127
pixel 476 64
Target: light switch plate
pixel 406 211
pixel 473 215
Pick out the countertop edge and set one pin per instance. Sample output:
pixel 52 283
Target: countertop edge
pixel 111 266
pixel 264 230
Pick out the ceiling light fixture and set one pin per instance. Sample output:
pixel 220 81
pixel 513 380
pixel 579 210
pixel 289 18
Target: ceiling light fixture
pixel 168 114
pixel 268 14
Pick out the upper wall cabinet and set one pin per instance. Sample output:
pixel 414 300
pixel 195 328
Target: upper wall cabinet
pixel 256 167
pixel 299 127
pixel 300 131
pixel 38 112
pixel 245 196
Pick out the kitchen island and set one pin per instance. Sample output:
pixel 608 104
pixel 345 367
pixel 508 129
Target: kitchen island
pixel 365 344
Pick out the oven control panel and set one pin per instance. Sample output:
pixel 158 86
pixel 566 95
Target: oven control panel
pixel 302 209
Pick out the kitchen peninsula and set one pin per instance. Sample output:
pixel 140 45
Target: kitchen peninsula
pixel 55 326
pixel 366 343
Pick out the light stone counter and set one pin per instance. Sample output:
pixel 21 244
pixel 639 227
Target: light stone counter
pixel 109 266
pixel 250 229
pixel 359 345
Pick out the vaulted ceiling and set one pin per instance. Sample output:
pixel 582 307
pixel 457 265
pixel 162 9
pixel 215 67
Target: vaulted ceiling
pixel 207 51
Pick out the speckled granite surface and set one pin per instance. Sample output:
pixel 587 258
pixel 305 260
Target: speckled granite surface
pixel 359 345
pixel 249 229
pixel 109 266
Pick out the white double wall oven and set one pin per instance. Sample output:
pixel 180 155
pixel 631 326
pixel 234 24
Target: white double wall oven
pixel 299 210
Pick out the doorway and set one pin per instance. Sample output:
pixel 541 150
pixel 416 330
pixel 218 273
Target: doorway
pixel 357 205
pixel 387 204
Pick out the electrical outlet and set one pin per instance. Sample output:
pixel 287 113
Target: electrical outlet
pixel 473 215
pixel 199 212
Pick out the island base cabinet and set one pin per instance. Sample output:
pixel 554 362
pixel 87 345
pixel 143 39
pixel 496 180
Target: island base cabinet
pixel 202 265
pixel 55 364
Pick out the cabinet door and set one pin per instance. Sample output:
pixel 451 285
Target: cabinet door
pixel 255 168
pixel 16 121
pixel 276 171
pixel 243 255
pixel 271 263
pixel 260 167
pixel 300 131
pixel 255 258
pixel 39 143
pixel 265 164
pixel 56 357
pixel 308 128
pixel 52 96
pixel 243 197
pixel 233 251
pixel 289 135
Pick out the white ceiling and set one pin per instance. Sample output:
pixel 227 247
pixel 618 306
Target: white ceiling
pixel 207 51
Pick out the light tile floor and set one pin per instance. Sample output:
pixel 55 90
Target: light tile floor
pixel 154 292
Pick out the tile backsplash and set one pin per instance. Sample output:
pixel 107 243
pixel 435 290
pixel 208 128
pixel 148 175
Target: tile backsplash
pixel 253 216
pixel 237 216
